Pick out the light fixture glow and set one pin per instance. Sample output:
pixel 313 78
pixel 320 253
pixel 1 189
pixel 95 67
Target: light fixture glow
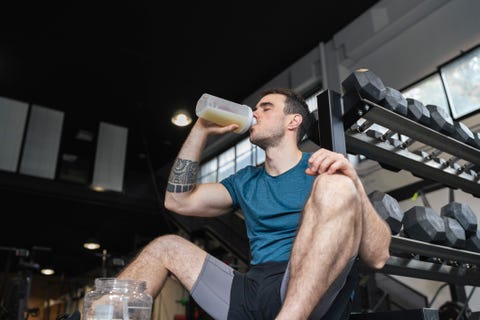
pixel 91 245
pixel 181 119
pixel 47 271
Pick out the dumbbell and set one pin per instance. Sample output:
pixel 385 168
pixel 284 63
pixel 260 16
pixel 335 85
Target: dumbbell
pixel 417 111
pixel 473 242
pixel 440 120
pixel 463 134
pixel 424 224
pixel 388 208
pixel 395 101
pixel 477 138
pixel 362 83
pixel 468 221
pixel 365 83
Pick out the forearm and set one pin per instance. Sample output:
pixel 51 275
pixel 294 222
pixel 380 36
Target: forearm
pixel 183 175
pixel 376 235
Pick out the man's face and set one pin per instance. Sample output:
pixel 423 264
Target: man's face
pixel 271 121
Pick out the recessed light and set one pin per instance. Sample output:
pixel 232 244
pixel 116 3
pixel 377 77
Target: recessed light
pixel 181 119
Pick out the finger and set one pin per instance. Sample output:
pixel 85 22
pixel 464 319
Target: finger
pixel 326 164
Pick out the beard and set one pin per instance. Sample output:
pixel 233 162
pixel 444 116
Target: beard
pixel 268 140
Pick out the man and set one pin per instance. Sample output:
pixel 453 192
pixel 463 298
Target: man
pixel 307 217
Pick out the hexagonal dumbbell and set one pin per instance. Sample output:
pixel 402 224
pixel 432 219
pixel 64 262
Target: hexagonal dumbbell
pixel 454 234
pixel 417 111
pixel 362 83
pixel 424 224
pixel 463 214
pixel 463 134
pixel 473 242
pixel 395 101
pixel 440 120
pixel 388 208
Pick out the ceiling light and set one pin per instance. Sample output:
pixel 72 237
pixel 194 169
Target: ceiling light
pixel 47 271
pixel 91 244
pixel 181 119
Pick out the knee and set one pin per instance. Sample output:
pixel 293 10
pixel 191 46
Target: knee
pixel 335 191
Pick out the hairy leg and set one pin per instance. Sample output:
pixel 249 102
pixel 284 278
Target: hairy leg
pixel 327 239
pixel 166 254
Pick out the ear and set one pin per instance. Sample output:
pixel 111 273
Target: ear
pixel 295 122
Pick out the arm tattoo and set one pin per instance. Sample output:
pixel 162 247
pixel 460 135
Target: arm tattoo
pixel 183 176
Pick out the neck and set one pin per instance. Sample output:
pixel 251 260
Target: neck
pixel 281 158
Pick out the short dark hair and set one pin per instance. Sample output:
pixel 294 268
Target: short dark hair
pixel 294 103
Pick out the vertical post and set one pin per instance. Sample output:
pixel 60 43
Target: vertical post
pixel 330 122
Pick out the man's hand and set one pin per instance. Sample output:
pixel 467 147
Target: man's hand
pixel 326 161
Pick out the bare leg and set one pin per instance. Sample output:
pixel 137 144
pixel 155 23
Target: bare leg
pixel 166 253
pixel 328 237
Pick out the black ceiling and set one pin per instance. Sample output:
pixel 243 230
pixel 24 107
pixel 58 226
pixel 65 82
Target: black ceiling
pixel 134 64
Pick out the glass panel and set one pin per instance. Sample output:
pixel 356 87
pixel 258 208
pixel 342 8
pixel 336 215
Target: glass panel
pixel 312 101
pixel 429 91
pixel 226 163
pixel 226 170
pixel 227 156
pixel 462 82
pixel 244 154
pixel 211 177
pixel 208 170
pixel 260 155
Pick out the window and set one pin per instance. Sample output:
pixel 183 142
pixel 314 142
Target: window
pixel 462 83
pixel 226 163
pixel 208 171
pixel 429 91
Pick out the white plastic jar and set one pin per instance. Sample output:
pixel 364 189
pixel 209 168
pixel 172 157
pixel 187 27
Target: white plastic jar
pixel 114 299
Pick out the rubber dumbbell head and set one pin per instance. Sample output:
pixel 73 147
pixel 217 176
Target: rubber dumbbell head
pixel 388 208
pixel 424 224
pixel 473 242
pixel 440 120
pixel 454 233
pixel 463 134
pixel 362 83
pixel 395 101
pixel 463 214
pixel 417 111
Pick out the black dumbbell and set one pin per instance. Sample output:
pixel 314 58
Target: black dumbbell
pixel 362 83
pixel 424 224
pixel 454 233
pixel 395 101
pixel 477 138
pixel 388 208
pixel 463 214
pixel 463 134
pixel 473 242
pixel 440 120
pixel 417 111
pixel 468 221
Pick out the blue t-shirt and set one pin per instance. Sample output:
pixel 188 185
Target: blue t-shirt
pixel 271 207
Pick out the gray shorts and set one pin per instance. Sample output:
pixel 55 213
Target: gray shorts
pixel 257 294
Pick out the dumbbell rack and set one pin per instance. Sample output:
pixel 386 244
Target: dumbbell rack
pixel 409 257
pixel 403 159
